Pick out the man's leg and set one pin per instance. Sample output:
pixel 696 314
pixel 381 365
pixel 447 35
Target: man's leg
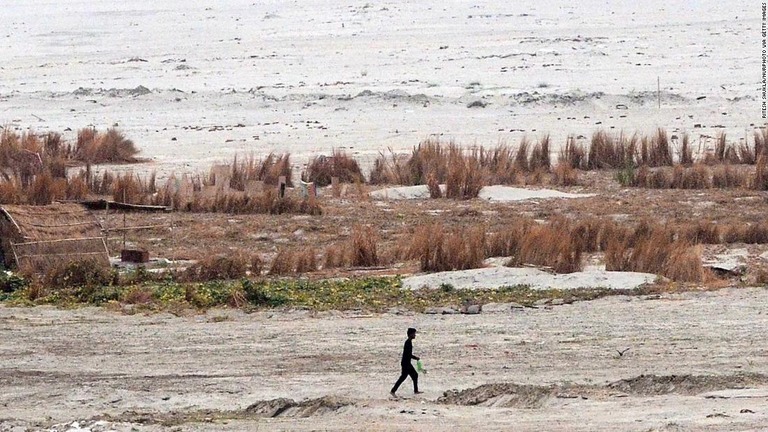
pixel 403 376
pixel 415 377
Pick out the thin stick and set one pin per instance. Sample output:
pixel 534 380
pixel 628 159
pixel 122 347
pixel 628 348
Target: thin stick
pixel 658 89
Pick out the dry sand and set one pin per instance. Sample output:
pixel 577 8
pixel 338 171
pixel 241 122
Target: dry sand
pixel 72 365
pixel 195 83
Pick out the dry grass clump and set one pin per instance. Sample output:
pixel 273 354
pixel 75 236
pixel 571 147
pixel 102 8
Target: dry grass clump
pixel 699 176
pixel 287 261
pixel 565 175
pixel 694 177
pixel 573 154
pixel 700 232
pixel 45 189
pixel 760 178
pixel 437 250
pixel 217 267
pixel 754 233
pixel 75 274
pixel 463 170
pixel 660 150
pixel 110 147
pixel 268 170
pixel 685 156
pixel 336 256
pixel 724 152
pixel 305 261
pixel 608 151
pixel 508 242
pixel 268 202
pixel 684 264
pixel 363 247
pixel 654 249
pixel 727 176
pixel 594 234
pixel 464 176
pixel 322 168
pixel 552 246
pixel 760 143
pixel 284 263
pixel 539 159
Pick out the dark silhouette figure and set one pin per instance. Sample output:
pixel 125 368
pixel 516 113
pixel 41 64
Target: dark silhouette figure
pixel 407 367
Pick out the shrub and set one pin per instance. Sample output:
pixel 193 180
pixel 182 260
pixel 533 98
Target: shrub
pixel 10 282
pixel 321 169
pixel 626 176
pixel 110 147
pixel 88 273
pixel 258 295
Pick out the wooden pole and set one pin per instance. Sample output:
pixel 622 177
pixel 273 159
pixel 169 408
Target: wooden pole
pixel 125 230
pixel 281 186
pixel 658 89
pixel 106 225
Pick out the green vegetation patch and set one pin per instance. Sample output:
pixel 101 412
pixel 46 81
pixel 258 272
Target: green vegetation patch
pixel 369 294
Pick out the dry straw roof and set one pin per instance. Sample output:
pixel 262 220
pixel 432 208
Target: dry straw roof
pixel 52 222
pixel 44 236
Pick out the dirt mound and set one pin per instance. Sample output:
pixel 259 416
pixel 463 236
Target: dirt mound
pixel 500 395
pixel 511 395
pixel 283 407
pixel 653 385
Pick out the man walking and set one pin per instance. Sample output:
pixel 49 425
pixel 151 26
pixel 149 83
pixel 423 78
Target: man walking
pixel 407 367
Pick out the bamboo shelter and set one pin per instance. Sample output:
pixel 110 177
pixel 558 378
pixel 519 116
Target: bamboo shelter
pixel 39 237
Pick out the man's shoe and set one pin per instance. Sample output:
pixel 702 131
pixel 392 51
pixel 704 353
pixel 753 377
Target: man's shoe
pixel 418 392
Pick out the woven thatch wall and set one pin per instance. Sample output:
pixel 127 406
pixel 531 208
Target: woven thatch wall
pixel 48 235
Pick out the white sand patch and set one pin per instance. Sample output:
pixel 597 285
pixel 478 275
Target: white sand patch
pixel 490 193
pixel 496 277
pixel 507 193
pixel 402 192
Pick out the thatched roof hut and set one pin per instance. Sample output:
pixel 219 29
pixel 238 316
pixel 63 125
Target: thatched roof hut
pixel 42 236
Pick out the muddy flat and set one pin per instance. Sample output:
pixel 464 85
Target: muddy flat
pixel 692 361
